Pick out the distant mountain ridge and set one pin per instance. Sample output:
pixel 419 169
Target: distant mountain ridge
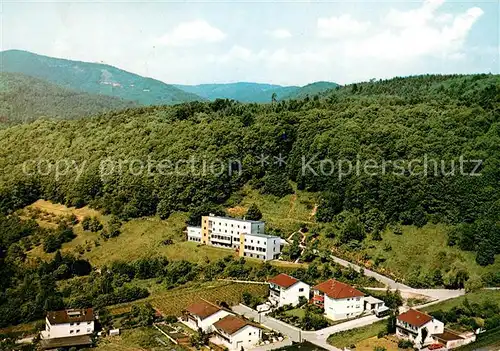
pixel 241 91
pixel 255 92
pixel 94 78
pixel 103 79
pixel 25 98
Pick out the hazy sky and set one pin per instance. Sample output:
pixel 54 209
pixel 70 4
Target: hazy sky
pixel 276 42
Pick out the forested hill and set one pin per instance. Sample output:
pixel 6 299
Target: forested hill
pixel 242 91
pixel 25 99
pixel 439 118
pixel 94 78
pixel 309 90
pixel 256 92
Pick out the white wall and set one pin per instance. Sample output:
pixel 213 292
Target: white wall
pixel 207 324
pixel 344 308
pixel 246 337
pixel 433 327
pixel 194 234
pixel 66 329
pixel 291 295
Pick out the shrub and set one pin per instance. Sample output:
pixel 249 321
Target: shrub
pixel 171 319
pixel 405 344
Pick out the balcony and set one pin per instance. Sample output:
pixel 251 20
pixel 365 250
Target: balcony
pixel 318 300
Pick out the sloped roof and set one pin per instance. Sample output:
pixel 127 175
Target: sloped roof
pixel 415 318
pixel 283 280
pixel 79 340
pixel 448 335
pixel 203 309
pixel 231 324
pixel 71 316
pixel 337 290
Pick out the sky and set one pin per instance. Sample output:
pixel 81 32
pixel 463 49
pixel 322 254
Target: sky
pixel 278 42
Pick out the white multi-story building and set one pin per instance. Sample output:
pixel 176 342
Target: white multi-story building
pixel 236 333
pixel 202 315
pixel 287 290
pixel 66 323
pixel 245 236
pixel 339 300
pixel 418 327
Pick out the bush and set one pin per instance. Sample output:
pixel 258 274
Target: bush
pixel 405 344
pixel 171 319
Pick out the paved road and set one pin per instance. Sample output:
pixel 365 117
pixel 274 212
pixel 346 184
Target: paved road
pixel 319 337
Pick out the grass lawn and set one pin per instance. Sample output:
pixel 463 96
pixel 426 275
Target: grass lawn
pixel 354 336
pixel 475 297
pixel 139 238
pixel 172 302
pixel 419 249
pixel 145 338
pixel 371 343
pixel 298 312
pixel 286 213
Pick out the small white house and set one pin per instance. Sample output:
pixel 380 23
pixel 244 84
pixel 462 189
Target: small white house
pixel 66 323
pixel 287 290
pixel 373 304
pixel 236 333
pixel 339 300
pixel 418 327
pixel 451 339
pixel 202 315
pixel 67 328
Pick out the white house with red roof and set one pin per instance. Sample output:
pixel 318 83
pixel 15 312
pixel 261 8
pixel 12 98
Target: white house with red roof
pixel 287 290
pixel 202 315
pixel 236 333
pixel 418 327
pixel 339 300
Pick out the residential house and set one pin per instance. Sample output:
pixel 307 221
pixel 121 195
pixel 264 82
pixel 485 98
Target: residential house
pixel 339 300
pixel 287 290
pixel 67 328
pixel 418 327
pixel 202 315
pixel 244 236
pixel 236 333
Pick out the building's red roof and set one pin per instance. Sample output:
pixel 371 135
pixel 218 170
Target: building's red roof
pixel 231 324
pixel 415 318
pixel 337 290
pixel 70 316
pixel 283 280
pixel 203 309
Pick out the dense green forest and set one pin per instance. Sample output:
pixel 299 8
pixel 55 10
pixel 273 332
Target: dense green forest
pixel 97 161
pixel 25 99
pixel 437 117
pixel 93 78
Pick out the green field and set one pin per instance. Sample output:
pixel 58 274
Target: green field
pixel 145 338
pixel 172 302
pixel 475 297
pixel 286 213
pixel 144 237
pixel 353 336
pixel 416 252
